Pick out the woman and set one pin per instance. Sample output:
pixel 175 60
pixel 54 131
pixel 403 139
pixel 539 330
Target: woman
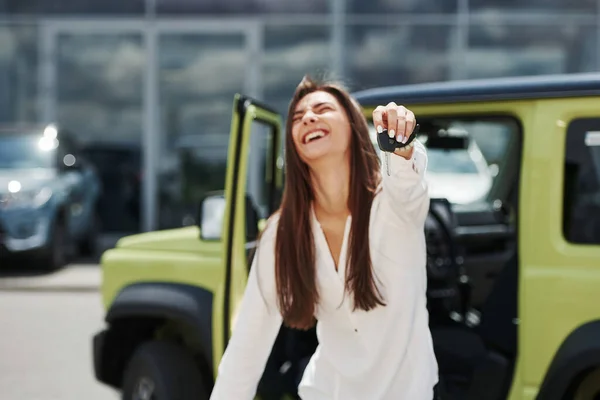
pixel 347 249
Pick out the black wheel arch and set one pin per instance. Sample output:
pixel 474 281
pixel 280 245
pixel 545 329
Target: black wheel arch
pixel 144 310
pixel 578 354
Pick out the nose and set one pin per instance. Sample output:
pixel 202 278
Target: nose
pixel 309 117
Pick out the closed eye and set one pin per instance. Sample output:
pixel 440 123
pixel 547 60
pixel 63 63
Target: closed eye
pixel 318 109
pixel 324 108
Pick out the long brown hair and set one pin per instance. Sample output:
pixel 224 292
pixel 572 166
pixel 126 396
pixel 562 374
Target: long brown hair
pixel 295 272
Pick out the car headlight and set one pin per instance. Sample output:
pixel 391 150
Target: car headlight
pixel 25 199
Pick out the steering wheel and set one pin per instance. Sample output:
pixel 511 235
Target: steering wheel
pixel 444 261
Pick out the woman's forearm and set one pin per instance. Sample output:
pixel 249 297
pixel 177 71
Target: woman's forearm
pixel 405 186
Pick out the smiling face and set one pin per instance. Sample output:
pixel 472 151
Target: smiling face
pixel 320 127
pixel 325 126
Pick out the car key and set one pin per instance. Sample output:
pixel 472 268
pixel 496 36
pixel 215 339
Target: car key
pixel 389 144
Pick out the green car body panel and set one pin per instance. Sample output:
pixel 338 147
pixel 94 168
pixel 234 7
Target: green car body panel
pixel 558 280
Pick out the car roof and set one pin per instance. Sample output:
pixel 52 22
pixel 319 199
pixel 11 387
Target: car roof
pixel 510 88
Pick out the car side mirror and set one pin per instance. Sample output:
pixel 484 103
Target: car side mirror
pixel 211 215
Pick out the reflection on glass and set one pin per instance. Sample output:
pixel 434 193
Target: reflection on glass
pixel 455 161
pixel 18 73
pixel 290 53
pixel 99 99
pixel 241 6
pixel 99 86
pixel 509 50
pixel 81 7
pixel 385 55
pixel 199 75
pixel 405 6
pixel 557 6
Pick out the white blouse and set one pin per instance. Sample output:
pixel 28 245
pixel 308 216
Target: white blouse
pixel 383 354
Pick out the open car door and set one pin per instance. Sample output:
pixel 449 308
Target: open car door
pixel 252 191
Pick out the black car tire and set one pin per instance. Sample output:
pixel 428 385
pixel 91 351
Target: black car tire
pixel 89 245
pixel 55 255
pixel 161 370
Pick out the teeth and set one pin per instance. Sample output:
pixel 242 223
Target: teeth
pixel 313 135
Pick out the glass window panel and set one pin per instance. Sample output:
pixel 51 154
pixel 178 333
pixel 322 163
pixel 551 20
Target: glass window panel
pixel 18 73
pixel 478 168
pixel 259 175
pixel 291 52
pixel 99 99
pixel 72 7
pixel 405 6
pixel 242 6
pixel 199 75
pixel 557 6
pixel 581 214
pixel 392 55
pixel 508 50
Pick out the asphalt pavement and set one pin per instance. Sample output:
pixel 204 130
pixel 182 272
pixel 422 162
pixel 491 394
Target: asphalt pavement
pixel 47 322
pixel 73 278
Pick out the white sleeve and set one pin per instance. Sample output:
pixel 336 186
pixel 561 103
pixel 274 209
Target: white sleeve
pixel 255 330
pixel 405 189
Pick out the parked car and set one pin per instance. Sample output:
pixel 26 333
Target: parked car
pixel 532 242
pixel 48 197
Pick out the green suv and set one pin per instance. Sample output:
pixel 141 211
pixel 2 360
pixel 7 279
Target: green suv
pixel 513 243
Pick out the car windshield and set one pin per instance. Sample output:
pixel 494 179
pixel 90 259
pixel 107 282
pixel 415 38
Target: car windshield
pixel 451 162
pixel 476 167
pixel 462 161
pixel 25 151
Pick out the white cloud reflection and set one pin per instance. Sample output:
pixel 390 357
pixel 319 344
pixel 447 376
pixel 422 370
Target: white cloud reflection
pixel 7 44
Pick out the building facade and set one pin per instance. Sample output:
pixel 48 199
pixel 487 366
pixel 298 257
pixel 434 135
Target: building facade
pixel 147 85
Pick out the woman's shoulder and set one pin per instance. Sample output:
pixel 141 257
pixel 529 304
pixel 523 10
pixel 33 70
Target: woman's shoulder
pixel 269 232
pixel 265 244
pixel 263 263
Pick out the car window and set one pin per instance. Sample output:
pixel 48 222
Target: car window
pixel 259 181
pixel 581 205
pixel 467 175
pixel 455 162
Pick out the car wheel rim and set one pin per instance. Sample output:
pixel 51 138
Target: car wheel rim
pixel 144 390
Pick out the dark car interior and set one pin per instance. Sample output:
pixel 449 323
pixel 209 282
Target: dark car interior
pixel 475 337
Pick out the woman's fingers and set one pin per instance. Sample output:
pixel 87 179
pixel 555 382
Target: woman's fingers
pixel 409 126
pixel 398 120
pixel 378 119
pixel 401 124
pixel 391 111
